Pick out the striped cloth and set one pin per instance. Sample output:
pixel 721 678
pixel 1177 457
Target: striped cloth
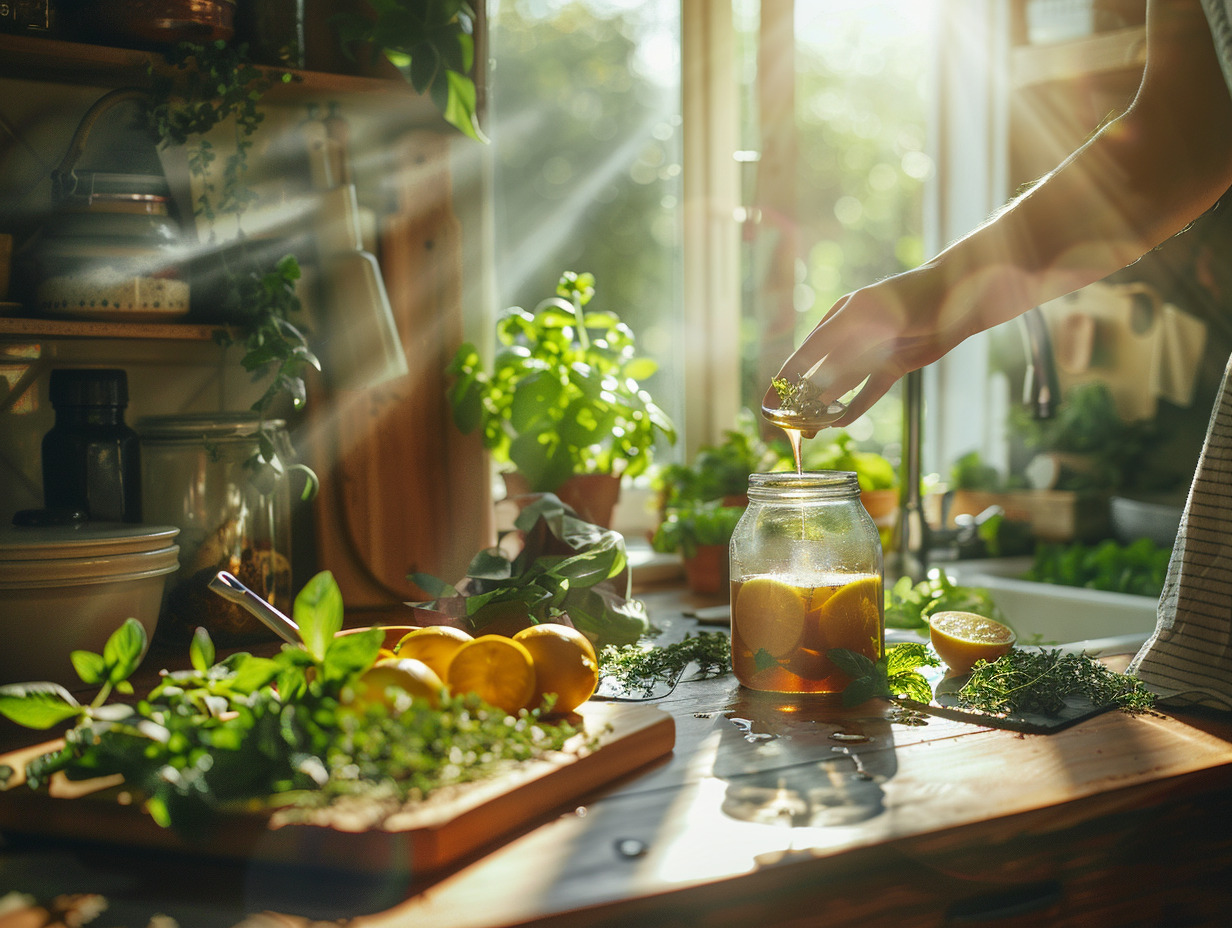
pixel 1188 659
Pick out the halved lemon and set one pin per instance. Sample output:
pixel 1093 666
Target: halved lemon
pixel 395 683
pixel 962 638
pixel 565 664
pixel 851 617
pixel 769 615
pixel 498 670
pixel 435 645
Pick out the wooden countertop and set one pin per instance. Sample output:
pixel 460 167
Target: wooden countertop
pixel 761 817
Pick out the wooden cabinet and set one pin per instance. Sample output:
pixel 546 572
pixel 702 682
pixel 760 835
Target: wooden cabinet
pixel 401 489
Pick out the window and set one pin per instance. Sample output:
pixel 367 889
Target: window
pixel 725 170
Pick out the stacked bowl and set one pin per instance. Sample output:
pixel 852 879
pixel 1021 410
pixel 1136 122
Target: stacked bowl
pixel 68 587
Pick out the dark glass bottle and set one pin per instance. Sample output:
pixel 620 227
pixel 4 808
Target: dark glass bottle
pixel 91 458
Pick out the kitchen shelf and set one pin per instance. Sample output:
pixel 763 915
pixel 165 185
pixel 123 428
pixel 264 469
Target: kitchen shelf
pixel 26 57
pixel 11 328
pixel 1107 53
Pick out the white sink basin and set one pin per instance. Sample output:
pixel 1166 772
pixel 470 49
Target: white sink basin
pixel 1048 614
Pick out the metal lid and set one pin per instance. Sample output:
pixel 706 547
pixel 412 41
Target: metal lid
pixel 80 386
pixel 194 426
pixel 84 540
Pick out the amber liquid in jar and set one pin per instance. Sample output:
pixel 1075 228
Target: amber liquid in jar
pixel 806 579
pixel 781 630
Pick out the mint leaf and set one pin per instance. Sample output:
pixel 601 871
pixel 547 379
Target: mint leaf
pixel 318 613
pixel 123 650
pixel 89 666
pixel 201 650
pixel 763 660
pixel 38 705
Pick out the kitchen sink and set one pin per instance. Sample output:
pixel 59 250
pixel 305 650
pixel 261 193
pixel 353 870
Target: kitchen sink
pixel 1048 614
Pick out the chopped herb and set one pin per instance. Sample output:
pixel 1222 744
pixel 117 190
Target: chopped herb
pixel 279 731
pixel 643 665
pixel 1040 681
pixel 801 397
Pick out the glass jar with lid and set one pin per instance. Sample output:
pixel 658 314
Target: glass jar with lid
pixel 201 473
pixel 806 578
pixel 113 251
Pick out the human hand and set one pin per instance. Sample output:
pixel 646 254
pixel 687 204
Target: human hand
pixel 873 336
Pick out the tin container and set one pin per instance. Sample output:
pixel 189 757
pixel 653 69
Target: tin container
pixel 806 578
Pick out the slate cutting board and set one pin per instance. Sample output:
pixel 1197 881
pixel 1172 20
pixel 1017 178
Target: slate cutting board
pixel 422 837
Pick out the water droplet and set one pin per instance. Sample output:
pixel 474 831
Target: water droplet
pixel 631 847
pixel 753 737
pixel 848 737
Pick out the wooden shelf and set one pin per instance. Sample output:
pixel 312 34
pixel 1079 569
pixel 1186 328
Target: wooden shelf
pixel 26 58
pixel 13 328
pixel 1118 51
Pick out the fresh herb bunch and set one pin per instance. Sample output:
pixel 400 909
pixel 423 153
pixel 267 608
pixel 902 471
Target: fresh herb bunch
pixel 564 395
pixel 643 665
pixel 799 397
pixel 909 605
pixel 255 729
pixel 566 566
pixel 1138 568
pixel 896 674
pixel 1025 680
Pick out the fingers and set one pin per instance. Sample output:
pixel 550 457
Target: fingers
pixel 870 393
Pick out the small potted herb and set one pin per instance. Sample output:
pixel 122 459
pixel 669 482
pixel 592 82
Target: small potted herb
pixel 877 477
pixel 720 472
pixel 700 533
pixel 562 407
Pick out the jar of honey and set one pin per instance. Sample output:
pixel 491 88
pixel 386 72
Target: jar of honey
pixel 806 579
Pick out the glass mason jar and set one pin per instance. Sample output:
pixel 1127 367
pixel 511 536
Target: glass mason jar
pixel 201 474
pixel 806 578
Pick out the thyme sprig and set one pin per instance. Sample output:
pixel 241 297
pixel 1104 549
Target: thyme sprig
pixel 643 665
pixel 1024 681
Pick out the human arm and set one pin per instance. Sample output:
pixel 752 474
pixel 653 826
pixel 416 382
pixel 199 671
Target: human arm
pixel 1143 177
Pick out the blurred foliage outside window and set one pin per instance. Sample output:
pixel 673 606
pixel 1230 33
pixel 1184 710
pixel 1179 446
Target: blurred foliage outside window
pixel 585 120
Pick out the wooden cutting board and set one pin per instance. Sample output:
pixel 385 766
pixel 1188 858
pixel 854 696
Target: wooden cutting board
pixel 421 837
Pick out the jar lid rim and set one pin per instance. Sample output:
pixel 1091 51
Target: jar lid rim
pixel 193 425
pixel 818 479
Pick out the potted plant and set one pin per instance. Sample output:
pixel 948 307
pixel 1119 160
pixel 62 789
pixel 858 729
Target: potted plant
pixel 700 532
pixel 562 409
pixel 720 472
pixel 877 477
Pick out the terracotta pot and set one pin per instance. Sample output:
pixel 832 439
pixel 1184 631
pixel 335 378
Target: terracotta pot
pixel 708 571
pixel 882 505
pixel 591 496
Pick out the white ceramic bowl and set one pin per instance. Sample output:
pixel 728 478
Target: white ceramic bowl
pixel 52 603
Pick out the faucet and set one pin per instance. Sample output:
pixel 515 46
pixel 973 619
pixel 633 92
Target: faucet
pixel 1041 395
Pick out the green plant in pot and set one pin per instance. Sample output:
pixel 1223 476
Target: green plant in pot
pixel 877 477
pixel 720 472
pixel 700 532
pixel 562 402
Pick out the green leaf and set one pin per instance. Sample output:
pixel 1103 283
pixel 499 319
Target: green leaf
pixel 851 662
pixel 123 650
pixel 318 612
pixel 435 587
pixel 252 673
pixel 859 691
pixel 89 666
pixel 201 650
pixel 38 705
pixel 350 654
